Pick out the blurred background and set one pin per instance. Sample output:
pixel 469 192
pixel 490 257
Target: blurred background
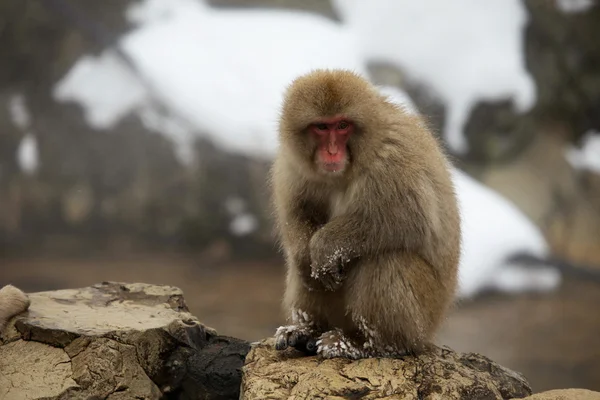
pixel 136 137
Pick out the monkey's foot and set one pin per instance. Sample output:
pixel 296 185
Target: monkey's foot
pixel 302 337
pixel 373 346
pixel 334 343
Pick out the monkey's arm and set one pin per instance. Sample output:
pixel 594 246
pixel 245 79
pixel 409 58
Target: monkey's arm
pixel 298 224
pixel 385 218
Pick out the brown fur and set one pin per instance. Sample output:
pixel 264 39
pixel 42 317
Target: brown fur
pixel 12 302
pixel 390 220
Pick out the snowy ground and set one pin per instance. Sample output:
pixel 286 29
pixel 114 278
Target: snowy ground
pixel 223 72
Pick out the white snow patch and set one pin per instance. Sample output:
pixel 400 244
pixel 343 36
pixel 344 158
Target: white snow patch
pixel 18 111
pixel 398 96
pixel 493 230
pixel 243 224
pixel 588 156
pixel 27 154
pixel 104 86
pixel 467 50
pixel 222 71
pixel 517 278
pixel 574 6
pixel 226 70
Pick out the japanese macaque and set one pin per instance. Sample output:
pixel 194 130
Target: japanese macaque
pixel 12 302
pixel 368 221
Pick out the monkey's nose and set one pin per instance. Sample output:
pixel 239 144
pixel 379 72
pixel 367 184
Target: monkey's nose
pixel 333 148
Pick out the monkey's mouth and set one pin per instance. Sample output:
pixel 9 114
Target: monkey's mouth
pixel 333 166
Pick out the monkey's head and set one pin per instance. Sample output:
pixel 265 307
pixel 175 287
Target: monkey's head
pixel 324 118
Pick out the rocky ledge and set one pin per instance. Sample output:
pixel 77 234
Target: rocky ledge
pixel 138 341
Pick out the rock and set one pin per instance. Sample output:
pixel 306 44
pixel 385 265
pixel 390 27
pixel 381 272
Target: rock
pixel 566 394
pixel 139 341
pixel 425 98
pixel 443 374
pixel 116 341
pixel 522 155
pixel 319 7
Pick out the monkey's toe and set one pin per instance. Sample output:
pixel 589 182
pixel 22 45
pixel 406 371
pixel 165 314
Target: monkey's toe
pixel 334 344
pixel 300 337
pixel 281 343
pixel 301 341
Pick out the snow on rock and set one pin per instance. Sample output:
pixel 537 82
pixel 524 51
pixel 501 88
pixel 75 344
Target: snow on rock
pixel 226 70
pixel 574 6
pixel 19 113
pixel 104 86
pixel 27 154
pixel 242 223
pixel 467 50
pixel 493 231
pixel 223 70
pixel 399 97
pixel 588 156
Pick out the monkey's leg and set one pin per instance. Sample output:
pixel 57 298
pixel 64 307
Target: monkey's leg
pixel 396 301
pixel 301 334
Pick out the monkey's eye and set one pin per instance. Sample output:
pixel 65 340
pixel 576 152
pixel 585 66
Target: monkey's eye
pixel 321 127
pixel 343 125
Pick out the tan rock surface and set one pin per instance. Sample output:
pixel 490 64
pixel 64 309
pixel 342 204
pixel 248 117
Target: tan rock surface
pixel 32 370
pixel 115 341
pixel 566 394
pixel 444 374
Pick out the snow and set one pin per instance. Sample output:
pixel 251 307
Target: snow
pixel 574 6
pixel 18 111
pixel 27 154
pixel 467 50
pixel 230 88
pixel 588 156
pixel 399 97
pixel 446 46
pixel 27 151
pixel 493 230
pixel 242 223
pixel 105 87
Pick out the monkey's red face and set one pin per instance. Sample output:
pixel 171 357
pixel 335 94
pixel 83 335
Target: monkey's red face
pixel 331 135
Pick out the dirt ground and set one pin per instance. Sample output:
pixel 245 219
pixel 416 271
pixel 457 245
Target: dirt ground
pixel 554 339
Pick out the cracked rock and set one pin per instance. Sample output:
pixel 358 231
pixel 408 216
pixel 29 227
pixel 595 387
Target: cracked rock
pixel 442 374
pixel 135 341
pixel 116 341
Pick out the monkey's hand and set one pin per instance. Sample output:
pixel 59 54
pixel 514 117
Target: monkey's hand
pixel 328 261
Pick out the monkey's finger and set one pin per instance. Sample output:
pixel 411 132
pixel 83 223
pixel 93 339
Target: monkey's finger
pixel 297 339
pixel 281 342
pixel 311 346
